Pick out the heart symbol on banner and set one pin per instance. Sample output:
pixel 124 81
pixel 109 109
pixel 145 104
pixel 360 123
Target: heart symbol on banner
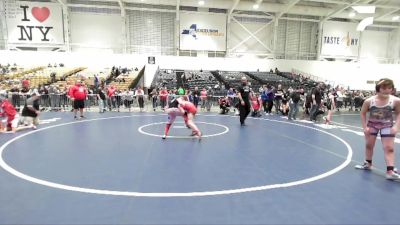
pixel 41 14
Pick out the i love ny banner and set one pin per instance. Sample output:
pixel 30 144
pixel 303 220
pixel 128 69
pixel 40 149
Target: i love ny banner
pixel 35 23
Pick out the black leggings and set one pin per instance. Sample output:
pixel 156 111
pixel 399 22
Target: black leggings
pixel 269 106
pixel 141 102
pixel 244 111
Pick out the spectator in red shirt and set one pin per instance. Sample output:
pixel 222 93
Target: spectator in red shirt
pixel 25 84
pixel 111 96
pixel 78 95
pixel 163 97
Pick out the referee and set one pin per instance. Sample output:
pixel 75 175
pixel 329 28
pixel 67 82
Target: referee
pixel 244 94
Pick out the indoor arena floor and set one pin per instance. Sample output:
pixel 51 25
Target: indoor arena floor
pixel 115 168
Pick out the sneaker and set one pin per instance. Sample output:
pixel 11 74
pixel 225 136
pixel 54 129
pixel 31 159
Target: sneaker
pixel 392 175
pixel 164 136
pixel 364 166
pixel 75 117
pixel 34 127
pixel 83 117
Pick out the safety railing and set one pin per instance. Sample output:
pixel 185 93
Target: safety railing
pixel 61 102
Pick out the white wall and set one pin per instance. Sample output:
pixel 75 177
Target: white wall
pixel 94 61
pixel 394 45
pixel 374 44
pixel 354 75
pixel 100 32
pixel 237 34
pixel 149 73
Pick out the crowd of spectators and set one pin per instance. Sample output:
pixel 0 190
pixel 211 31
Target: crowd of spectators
pixel 269 98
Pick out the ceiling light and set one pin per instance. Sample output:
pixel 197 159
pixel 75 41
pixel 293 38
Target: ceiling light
pixel 364 23
pixel 364 9
pixel 201 2
pixel 352 14
pixel 256 6
pixel 395 18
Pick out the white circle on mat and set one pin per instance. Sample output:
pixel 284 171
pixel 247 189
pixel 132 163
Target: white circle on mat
pixel 21 175
pixel 226 130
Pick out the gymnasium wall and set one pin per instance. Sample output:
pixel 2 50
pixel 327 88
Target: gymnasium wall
pixel 297 40
pixel 375 44
pixel 150 32
pixel 394 46
pixel 237 34
pixel 98 29
pixel 96 32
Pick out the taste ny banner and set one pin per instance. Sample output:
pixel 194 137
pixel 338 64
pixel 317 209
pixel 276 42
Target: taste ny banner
pixel 340 39
pixel 34 23
pixel 202 31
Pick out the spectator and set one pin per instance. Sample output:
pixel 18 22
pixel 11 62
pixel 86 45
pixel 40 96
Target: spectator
pixel 224 105
pixel 163 97
pixel 139 93
pixel 101 98
pixel 294 104
pixel 79 95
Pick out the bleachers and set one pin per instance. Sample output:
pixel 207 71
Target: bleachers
pixel 68 77
pixel 165 78
pixel 200 79
pixel 124 81
pixel 21 72
pixel 190 79
pixel 269 77
pixel 206 79
pixel 14 78
pixel 234 79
